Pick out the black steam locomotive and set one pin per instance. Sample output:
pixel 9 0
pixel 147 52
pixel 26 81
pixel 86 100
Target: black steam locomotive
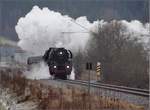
pixel 59 61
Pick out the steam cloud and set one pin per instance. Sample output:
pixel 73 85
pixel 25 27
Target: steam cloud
pixel 44 28
pixel 38 71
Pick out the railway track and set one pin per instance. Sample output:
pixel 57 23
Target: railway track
pixel 129 90
pixel 135 91
pixel 116 86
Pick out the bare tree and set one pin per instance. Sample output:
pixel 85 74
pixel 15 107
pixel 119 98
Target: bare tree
pixel 123 58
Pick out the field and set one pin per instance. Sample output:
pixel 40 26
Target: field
pixel 55 98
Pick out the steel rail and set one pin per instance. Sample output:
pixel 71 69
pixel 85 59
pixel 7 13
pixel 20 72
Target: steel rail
pixel 116 86
pixel 84 83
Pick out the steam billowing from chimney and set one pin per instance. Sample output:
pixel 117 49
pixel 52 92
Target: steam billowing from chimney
pixel 44 28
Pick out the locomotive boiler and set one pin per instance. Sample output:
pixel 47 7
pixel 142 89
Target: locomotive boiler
pixel 59 61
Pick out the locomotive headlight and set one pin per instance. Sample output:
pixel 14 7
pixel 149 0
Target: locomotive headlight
pixel 55 66
pixel 68 67
pixel 60 53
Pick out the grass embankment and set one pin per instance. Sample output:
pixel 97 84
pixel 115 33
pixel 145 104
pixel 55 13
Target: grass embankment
pixel 54 98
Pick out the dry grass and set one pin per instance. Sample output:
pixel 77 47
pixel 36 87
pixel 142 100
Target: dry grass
pixel 67 98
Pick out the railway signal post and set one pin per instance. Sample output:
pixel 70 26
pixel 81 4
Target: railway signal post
pixel 89 67
pixel 98 71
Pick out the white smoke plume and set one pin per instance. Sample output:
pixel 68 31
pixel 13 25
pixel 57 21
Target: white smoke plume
pixel 38 71
pixel 44 28
pixel 138 29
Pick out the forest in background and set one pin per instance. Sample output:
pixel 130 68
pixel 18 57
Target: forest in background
pixel 124 60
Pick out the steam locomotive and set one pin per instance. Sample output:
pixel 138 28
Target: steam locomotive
pixel 59 61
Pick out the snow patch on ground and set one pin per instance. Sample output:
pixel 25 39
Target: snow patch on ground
pixel 8 101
